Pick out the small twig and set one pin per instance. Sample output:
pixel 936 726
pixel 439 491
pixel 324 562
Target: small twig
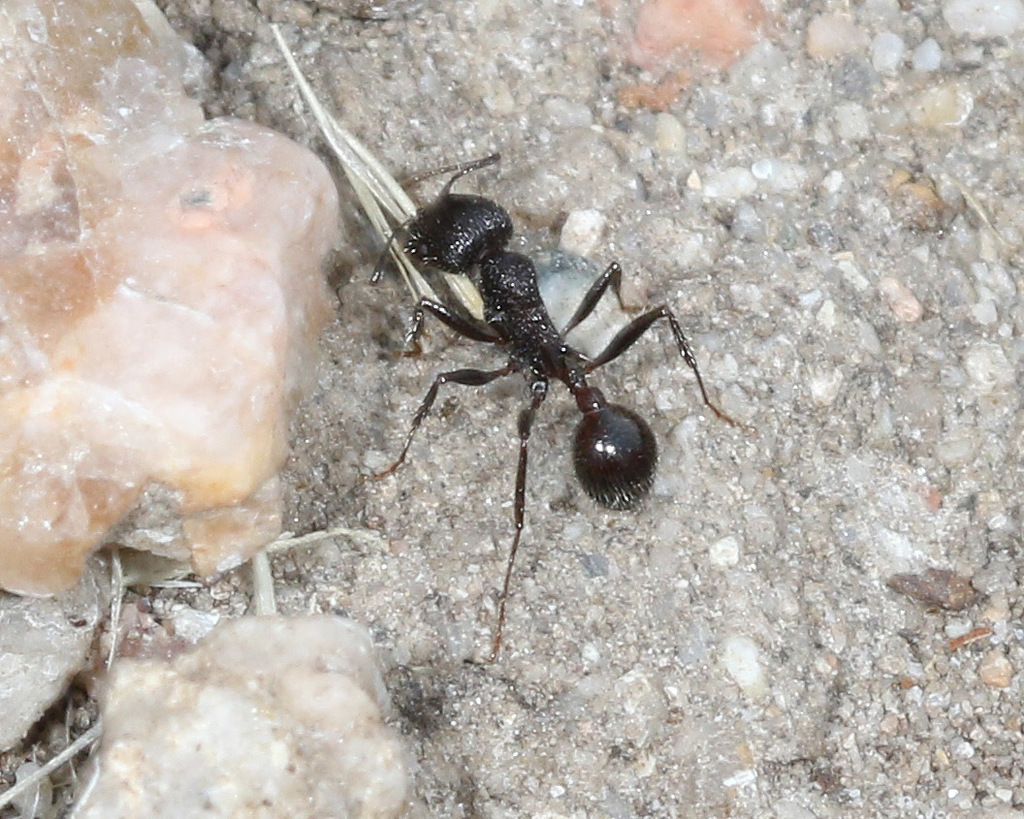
pixel 971 636
pixel 288 541
pixel 65 756
pixel 264 602
pixel 116 602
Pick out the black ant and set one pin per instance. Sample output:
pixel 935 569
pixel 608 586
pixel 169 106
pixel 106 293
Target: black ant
pixel 615 451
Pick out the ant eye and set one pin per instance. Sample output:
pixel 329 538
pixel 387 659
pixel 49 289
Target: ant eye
pixel 615 454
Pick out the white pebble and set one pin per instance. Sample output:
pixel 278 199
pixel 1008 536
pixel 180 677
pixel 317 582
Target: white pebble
pixel 568 113
pixel 957 448
pixel 828 315
pixel 779 175
pixel 985 312
pixel 852 122
pixel 887 51
pixel 983 19
pixel 725 553
pixel 927 56
pixel 833 182
pixel 988 367
pixel 669 134
pixel 941 106
pixel 191 625
pixel 829 35
pixel 740 658
pixel 582 231
pixel 900 300
pixel 824 387
pixel 732 183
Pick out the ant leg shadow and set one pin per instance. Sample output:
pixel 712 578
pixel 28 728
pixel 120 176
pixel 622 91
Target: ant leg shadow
pixel 469 378
pixel 628 336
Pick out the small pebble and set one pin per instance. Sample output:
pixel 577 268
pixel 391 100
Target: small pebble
pixel 941 106
pixel 829 35
pixel 779 175
pixel 825 386
pixel 725 553
pixel 747 225
pixel 669 134
pixel 833 182
pixel 985 312
pixel 984 19
pixel 732 183
pixel 641 706
pixel 566 113
pixel 957 448
pixel 902 303
pixel 582 232
pixel 852 123
pixel 917 203
pixel 927 56
pixel 988 367
pixel 995 670
pixel 740 658
pixel 937 587
pixel 887 50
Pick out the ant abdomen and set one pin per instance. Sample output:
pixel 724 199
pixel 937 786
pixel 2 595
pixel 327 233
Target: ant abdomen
pixel 615 454
pixel 458 231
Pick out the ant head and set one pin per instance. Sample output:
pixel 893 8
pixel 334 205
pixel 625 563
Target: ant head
pixel 457 231
pixel 615 453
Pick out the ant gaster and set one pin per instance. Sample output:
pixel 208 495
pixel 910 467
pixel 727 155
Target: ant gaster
pixel 614 451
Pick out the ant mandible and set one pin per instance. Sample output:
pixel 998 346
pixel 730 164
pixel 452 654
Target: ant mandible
pixel 614 452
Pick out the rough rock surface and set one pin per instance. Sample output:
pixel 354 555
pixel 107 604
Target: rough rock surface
pixel 43 644
pixel 161 295
pixel 267 717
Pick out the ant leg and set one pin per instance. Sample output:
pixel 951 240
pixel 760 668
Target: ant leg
pixel 628 335
pixel 611 276
pixel 477 331
pixel 468 378
pixel 526 417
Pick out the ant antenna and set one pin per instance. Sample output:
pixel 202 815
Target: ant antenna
pixel 460 169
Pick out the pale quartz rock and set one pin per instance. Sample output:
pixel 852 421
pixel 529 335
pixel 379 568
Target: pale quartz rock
pixel 984 19
pixel 740 657
pixel 830 35
pixel 267 717
pixel 161 296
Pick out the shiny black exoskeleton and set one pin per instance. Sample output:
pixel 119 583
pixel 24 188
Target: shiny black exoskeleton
pixel 615 452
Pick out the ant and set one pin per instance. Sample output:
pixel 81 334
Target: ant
pixel 614 451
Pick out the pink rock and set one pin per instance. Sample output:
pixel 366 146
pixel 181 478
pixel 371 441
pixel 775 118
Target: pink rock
pixel 160 295
pixel 715 32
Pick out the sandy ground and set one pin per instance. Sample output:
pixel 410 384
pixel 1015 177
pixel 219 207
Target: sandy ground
pixel 869 334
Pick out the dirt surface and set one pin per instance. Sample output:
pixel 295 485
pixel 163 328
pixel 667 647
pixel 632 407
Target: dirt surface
pixel 733 647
